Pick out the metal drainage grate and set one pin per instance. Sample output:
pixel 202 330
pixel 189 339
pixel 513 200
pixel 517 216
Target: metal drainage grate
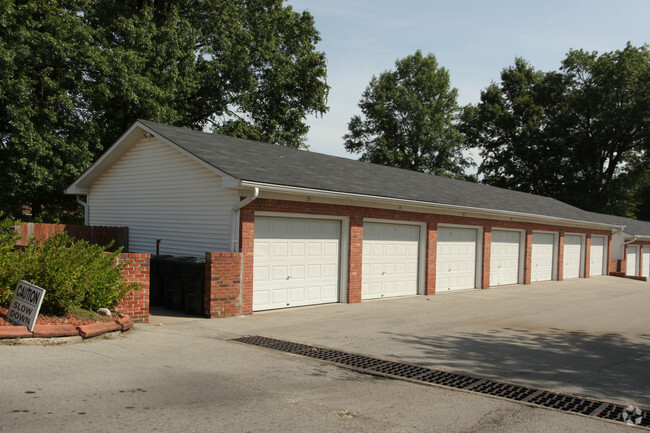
pixel 401 370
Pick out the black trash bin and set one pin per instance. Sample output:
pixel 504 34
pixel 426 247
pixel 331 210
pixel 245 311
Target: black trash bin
pixel 191 272
pixel 167 272
pixel 156 281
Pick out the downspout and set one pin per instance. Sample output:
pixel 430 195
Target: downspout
pixel 235 218
pixel 86 210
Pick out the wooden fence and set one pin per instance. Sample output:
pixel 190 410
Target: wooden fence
pixel 94 234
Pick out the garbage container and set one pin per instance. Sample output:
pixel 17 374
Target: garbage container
pixel 167 271
pixel 156 281
pixel 191 272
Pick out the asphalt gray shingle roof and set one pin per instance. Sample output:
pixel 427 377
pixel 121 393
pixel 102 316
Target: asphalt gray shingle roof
pixel 632 226
pixel 253 161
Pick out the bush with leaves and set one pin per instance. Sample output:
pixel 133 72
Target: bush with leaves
pixel 74 273
pixel 9 269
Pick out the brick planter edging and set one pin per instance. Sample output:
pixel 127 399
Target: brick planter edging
pixel 122 324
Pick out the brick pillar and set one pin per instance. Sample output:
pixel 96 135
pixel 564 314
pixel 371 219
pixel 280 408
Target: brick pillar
pixel 247 242
pixel 560 257
pixel 622 264
pixel 223 294
pixel 587 256
pixel 137 269
pixel 432 245
pixel 528 254
pixel 355 257
pixel 487 247
pixel 641 259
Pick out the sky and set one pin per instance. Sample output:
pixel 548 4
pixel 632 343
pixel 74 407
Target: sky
pixel 473 39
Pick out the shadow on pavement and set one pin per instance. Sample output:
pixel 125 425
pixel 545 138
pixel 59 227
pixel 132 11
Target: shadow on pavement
pixel 605 366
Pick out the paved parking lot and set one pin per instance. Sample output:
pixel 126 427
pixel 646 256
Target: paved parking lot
pixel 588 337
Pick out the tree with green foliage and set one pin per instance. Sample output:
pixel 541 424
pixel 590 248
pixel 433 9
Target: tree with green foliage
pixel 408 121
pixel 74 74
pixel 581 134
pixel 247 69
pixel 45 139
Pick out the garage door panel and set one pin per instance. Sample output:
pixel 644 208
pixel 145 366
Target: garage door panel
pixel 330 271
pixel 298 272
pixel 632 260
pixel 505 257
pixel 297 249
pixel 646 262
pixel 597 255
pixel 572 256
pixel 296 262
pixel 390 260
pixel 456 259
pixel 542 256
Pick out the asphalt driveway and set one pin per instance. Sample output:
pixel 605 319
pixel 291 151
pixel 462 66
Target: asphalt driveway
pixel 588 337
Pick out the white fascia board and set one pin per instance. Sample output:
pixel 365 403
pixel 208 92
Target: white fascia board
pixel 126 140
pixel 336 194
pixel 636 237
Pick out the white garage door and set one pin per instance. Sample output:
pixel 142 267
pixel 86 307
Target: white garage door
pixel 504 257
pixel 646 261
pixel 632 260
pixel 541 261
pixel 572 256
pixel 390 260
pixel 597 255
pixel 296 262
pixel 456 259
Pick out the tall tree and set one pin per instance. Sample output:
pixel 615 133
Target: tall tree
pixel 74 74
pixel 581 134
pixel 248 69
pixel 409 119
pixel 45 139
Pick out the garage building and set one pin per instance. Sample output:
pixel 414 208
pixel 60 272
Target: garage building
pixel 303 228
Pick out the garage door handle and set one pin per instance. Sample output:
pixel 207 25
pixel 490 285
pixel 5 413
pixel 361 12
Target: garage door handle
pixel 289 276
pixel 383 273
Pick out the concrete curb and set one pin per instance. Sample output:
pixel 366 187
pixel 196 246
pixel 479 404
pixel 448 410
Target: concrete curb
pixel 50 331
pixel 62 334
pixel 95 329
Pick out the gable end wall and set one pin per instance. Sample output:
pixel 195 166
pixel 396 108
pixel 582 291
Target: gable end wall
pixel 160 193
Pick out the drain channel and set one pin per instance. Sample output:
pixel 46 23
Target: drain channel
pixel 401 370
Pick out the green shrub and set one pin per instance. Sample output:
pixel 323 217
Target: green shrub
pixel 75 274
pixel 9 268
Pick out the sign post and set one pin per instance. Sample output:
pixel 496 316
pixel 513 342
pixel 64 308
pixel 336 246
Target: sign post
pixel 26 304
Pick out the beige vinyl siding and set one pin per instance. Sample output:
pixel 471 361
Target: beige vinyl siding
pixel 160 193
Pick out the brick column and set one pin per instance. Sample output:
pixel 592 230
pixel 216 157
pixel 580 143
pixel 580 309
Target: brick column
pixel 587 256
pixel 355 258
pixel 432 246
pixel 247 242
pixel 622 264
pixel 560 257
pixel 487 247
pixel 528 254
pixel 137 269
pixel 223 294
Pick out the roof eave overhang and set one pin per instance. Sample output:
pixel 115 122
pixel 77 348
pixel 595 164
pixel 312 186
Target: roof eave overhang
pixel 430 205
pixel 136 132
pixel 636 237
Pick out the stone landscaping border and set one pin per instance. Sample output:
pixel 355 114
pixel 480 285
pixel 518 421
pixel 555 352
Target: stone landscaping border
pixel 64 333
